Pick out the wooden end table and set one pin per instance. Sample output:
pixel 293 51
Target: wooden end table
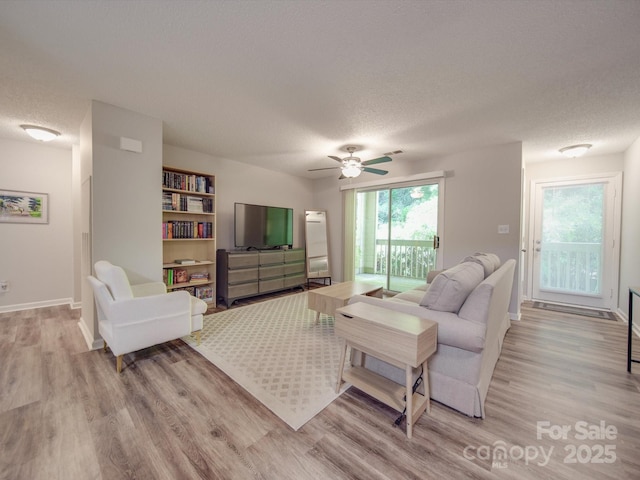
pixel 328 299
pixel 400 339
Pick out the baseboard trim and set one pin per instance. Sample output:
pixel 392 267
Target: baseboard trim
pixel 625 318
pixel 28 306
pixel 92 344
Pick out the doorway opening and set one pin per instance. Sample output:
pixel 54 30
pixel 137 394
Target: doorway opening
pixel 575 241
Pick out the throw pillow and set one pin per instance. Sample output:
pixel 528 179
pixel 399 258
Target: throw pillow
pixel 492 257
pixel 450 288
pixel 484 261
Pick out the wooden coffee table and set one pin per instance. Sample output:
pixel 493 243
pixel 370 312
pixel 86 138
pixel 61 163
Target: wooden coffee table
pixel 328 299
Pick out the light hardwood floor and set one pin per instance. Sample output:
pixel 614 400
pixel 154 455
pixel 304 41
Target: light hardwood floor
pixel 66 414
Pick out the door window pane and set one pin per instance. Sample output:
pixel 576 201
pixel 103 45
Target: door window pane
pixel 571 250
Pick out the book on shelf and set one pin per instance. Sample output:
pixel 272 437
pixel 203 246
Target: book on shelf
pixel 175 202
pixel 176 229
pixel 187 182
pixel 194 204
pixel 191 290
pixel 199 276
pixel 204 293
pixel 167 275
pixel 185 261
pixel 180 275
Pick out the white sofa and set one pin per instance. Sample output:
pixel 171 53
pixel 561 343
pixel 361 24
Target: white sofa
pixel 470 303
pixel 133 317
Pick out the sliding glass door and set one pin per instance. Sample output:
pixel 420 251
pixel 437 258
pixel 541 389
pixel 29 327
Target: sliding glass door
pixel 396 235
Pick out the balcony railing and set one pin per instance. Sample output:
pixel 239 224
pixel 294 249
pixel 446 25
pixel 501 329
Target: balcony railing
pixel 567 267
pixel 571 267
pixel 409 258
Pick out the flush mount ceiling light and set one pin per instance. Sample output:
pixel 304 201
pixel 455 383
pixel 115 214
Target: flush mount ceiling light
pixel 575 150
pixel 40 133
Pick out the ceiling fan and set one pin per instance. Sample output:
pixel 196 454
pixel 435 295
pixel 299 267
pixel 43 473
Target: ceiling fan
pixel 354 166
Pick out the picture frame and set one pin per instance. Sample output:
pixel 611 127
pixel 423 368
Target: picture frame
pixel 23 207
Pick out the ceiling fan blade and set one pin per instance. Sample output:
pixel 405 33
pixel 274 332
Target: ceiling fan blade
pixel 393 153
pixel 318 169
pixel 377 160
pixel 337 159
pixel 377 171
pixel 341 177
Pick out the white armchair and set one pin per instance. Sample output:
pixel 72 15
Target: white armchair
pixel 133 317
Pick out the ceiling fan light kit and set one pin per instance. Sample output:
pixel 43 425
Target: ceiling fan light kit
pixel 354 166
pixel 351 171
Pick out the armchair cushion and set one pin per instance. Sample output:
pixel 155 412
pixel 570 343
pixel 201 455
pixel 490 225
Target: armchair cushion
pixel 115 279
pixel 146 289
pixel 450 288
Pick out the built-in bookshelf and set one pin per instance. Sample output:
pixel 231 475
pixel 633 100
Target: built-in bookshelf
pixel 189 232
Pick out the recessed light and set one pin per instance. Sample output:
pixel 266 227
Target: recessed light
pixel 40 133
pixel 575 150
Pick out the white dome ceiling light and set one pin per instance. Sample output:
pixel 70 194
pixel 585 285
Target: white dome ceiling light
pixel 575 150
pixel 40 133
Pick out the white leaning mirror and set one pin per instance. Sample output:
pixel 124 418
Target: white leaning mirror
pixel 316 243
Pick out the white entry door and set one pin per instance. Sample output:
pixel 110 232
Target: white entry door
pixel 575 241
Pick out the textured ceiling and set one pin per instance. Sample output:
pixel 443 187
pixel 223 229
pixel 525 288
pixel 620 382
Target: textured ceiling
pixel 283 84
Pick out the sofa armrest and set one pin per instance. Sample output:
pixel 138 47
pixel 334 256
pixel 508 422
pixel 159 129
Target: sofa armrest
pixel 452 330
pixel 431 274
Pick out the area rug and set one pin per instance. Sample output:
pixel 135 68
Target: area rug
pixel 575 310
pixel 276 352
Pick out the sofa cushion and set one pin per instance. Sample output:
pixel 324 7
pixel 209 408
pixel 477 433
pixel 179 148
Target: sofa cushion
pixel 485 262
pixel 414 295
pixel 450 288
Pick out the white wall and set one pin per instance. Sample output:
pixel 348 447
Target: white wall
pixel 125 200
pixel 126 192
pixel 560 169
pixel 76 182
pixel 482 191
pixel 238 182
pixel 630 241
pixel 36 259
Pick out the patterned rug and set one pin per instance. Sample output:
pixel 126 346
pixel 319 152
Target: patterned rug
pixel 275 352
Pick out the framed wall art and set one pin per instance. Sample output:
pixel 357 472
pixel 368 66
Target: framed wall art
pixel 23 207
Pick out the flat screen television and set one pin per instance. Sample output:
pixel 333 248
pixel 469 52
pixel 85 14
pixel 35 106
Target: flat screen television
pixel 261 226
